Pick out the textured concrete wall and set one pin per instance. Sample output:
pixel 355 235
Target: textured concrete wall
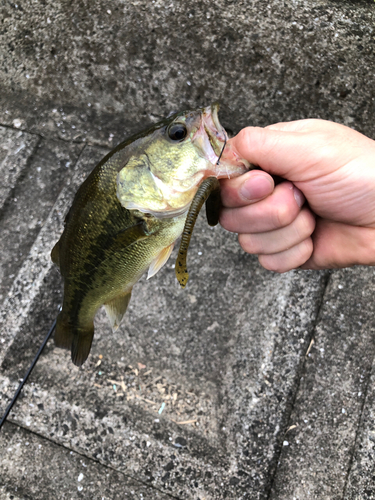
pixel 95 69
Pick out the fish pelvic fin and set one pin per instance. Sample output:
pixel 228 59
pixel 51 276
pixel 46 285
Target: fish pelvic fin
pixel 160 260
pixel 116 309
pixel 55 255
pixel 81 344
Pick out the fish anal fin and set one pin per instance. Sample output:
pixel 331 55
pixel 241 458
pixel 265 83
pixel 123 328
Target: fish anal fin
pixel 55 254
pixel 116 308
pixel 160 260
pixel 81 344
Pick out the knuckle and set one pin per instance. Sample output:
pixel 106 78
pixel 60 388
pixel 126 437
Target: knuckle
pixel 283 216
pixel 305 251
pixel 307 224
pixel 286 261
pixel 309 247
pixel 272 263
pixel 248 244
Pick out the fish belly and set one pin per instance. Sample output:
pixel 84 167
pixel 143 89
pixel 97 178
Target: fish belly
pixel 112 279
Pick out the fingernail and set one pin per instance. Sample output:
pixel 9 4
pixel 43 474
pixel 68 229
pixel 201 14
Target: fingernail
pixel 298 196
pixel 256 188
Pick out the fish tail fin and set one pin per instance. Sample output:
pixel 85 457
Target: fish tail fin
pixel 63 333
pixel 81 344
pixel 77 339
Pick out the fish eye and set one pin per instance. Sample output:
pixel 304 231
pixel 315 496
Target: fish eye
pixel 177 132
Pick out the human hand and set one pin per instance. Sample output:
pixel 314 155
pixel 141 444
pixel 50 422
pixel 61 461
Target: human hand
pixel 330 166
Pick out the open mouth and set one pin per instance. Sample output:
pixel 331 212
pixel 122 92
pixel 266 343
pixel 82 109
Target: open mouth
pixel 214 130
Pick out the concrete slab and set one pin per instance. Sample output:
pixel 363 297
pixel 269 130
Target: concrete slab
pixel 16 148
pixel 36 468
pixel 33 195
pixel 319 444
pixel 197 393
pixel 361 483
pixel 116 68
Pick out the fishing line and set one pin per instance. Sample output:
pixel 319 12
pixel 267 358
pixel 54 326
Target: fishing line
pixel 222 151
pixel 24 380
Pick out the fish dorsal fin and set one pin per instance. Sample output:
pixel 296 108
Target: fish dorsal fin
pixel 116 308
pixel 160 260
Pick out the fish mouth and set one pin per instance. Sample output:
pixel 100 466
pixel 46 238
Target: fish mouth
pixel 210 136
pixel 215 131
pixel 211 139
pixel 171 196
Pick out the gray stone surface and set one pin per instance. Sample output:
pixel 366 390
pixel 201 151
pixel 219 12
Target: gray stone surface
pixel 204 393
pixel 32 199
pixel 15 151
pixel 318 449
pixel 35 468
pixel 361 481
pixel 92 70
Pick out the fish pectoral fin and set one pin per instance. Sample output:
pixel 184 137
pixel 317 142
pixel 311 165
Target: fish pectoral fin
pixel 116 308
pixel 81 344
pixel 131 234
pixel 160 260
pixel 55 254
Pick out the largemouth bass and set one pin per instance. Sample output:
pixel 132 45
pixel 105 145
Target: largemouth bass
pixel 128 213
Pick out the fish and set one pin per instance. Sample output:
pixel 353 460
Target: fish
pixel 127 215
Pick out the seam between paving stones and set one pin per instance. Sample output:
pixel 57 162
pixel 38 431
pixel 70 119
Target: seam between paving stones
pixel 91 459
pixel 54 137
pixel 358 430
pixel 297 383
pixel 20 129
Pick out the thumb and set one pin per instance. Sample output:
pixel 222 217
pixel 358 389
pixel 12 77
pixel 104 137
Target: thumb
pixel 296 151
